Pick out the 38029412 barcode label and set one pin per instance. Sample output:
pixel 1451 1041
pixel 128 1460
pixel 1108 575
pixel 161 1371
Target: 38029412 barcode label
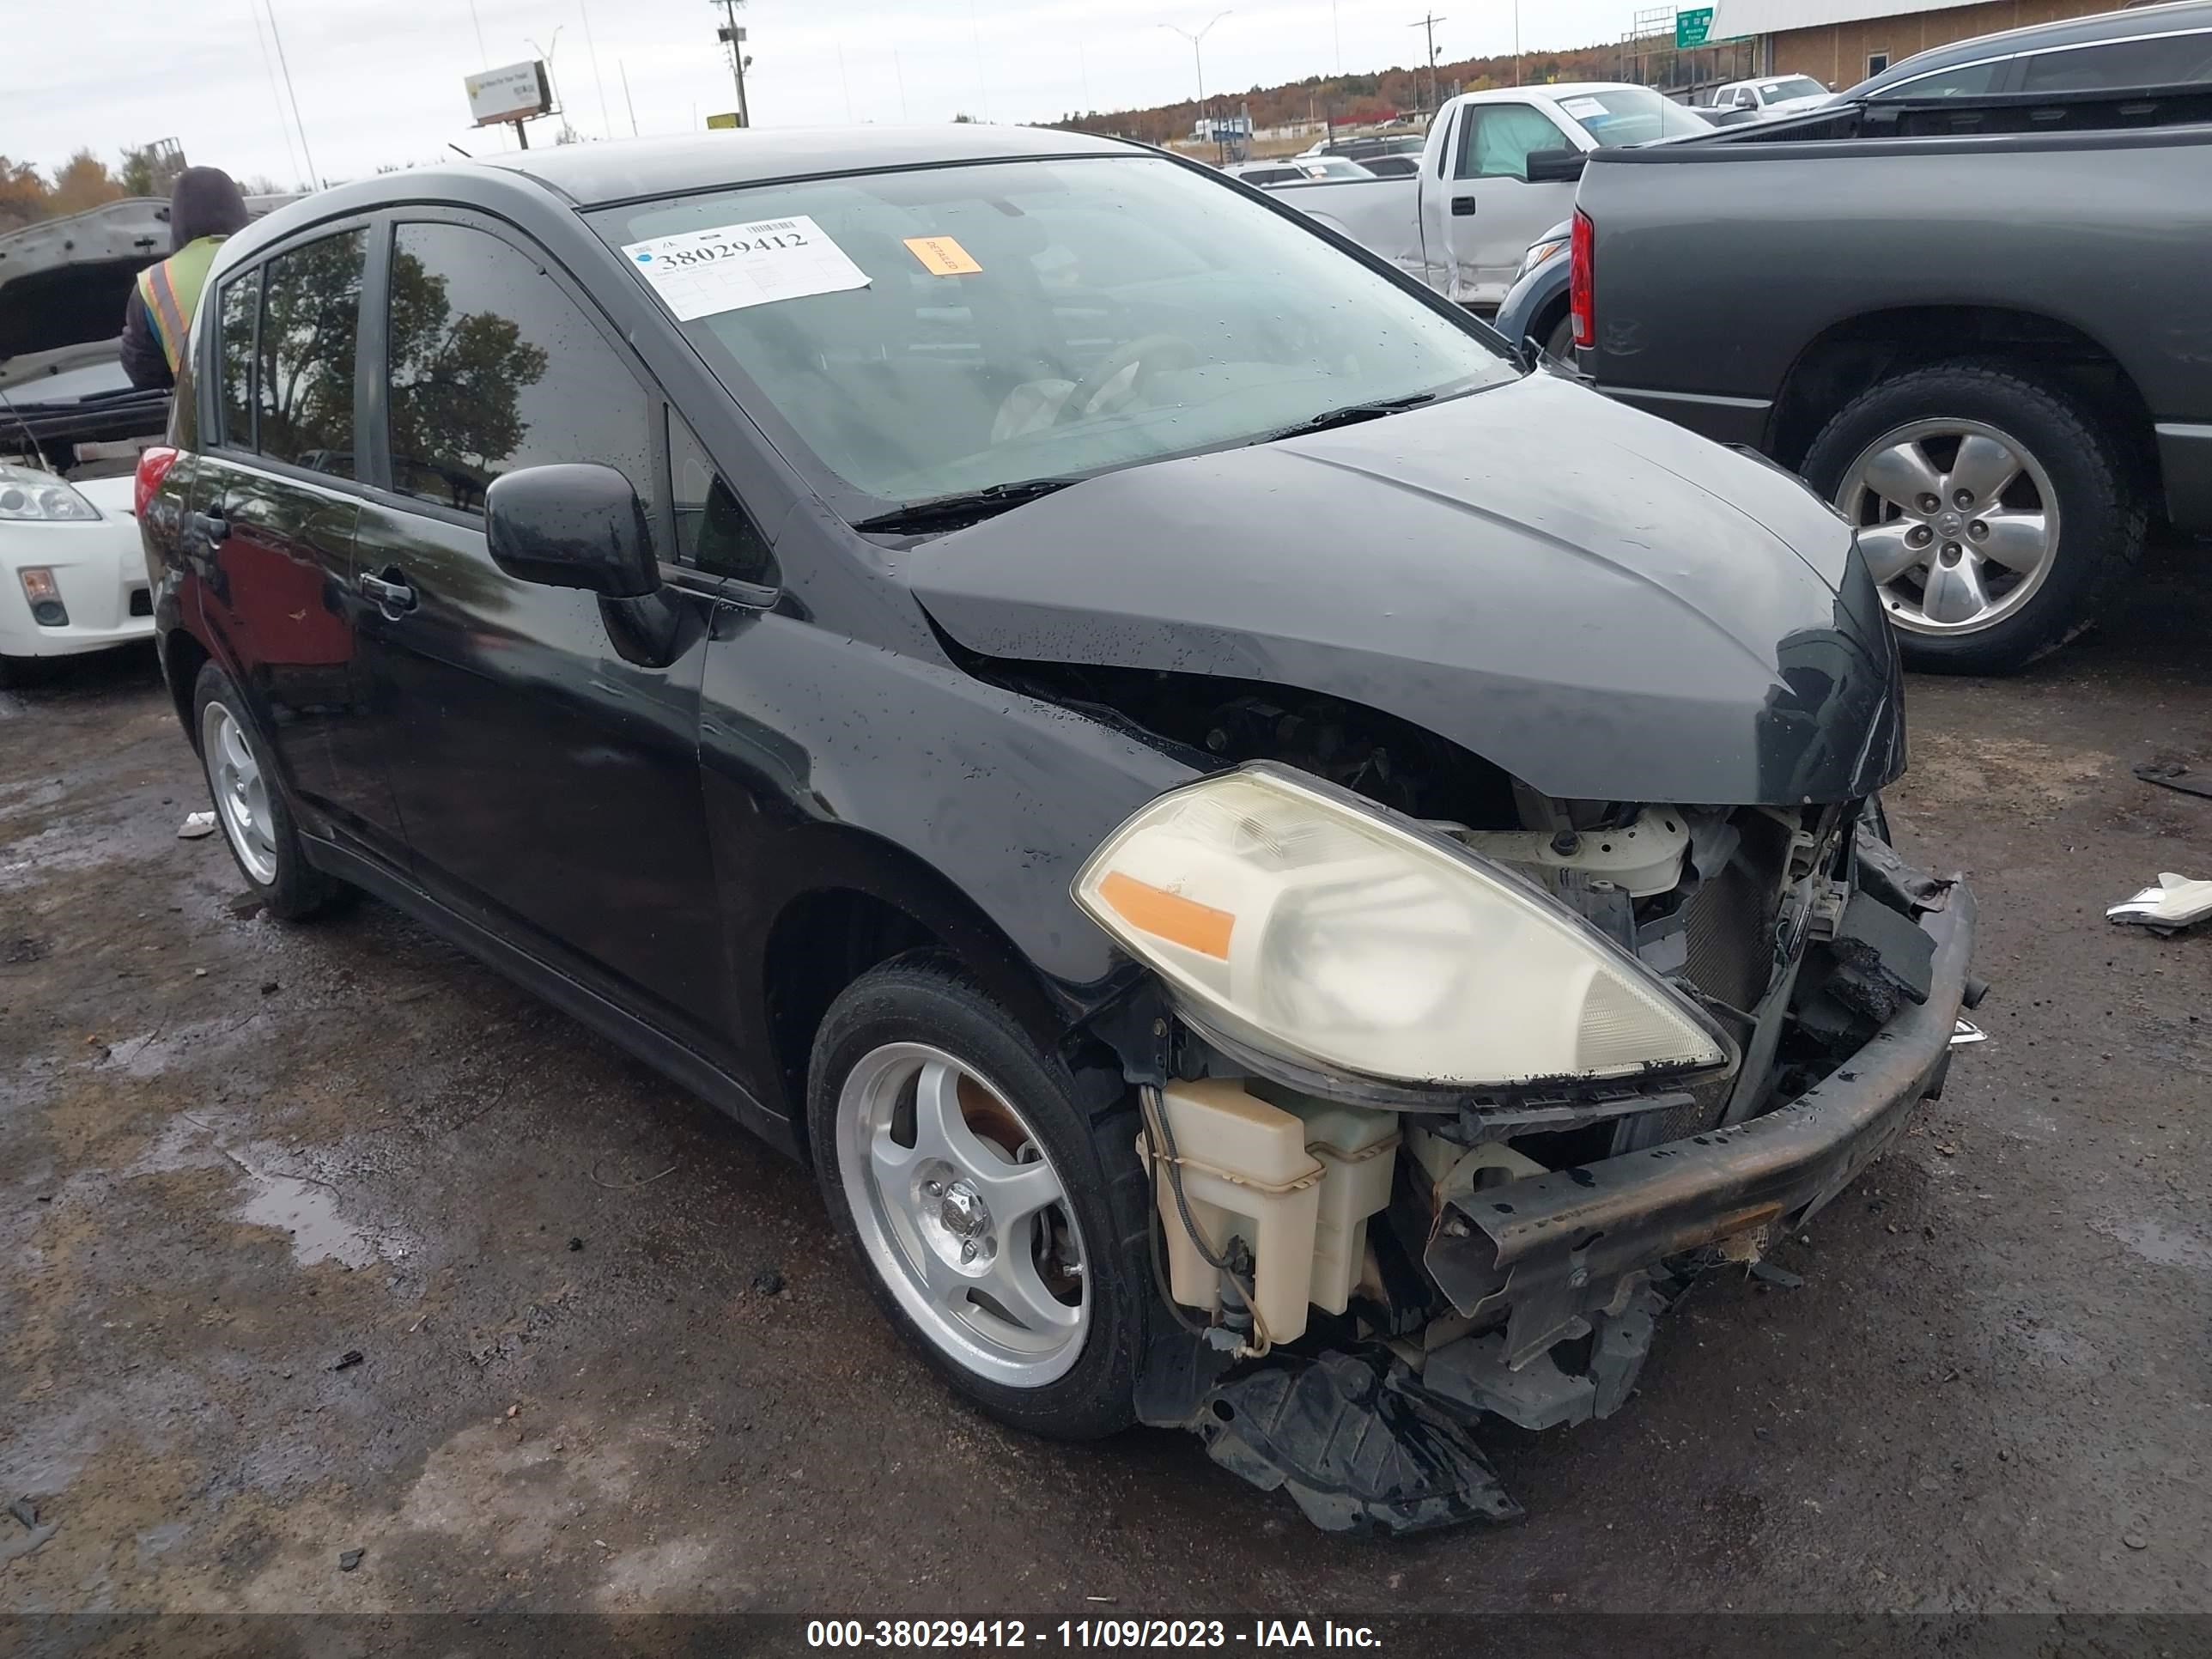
pixel 700 272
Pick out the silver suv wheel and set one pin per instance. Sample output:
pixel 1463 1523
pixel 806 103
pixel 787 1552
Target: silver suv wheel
pixel 1957 521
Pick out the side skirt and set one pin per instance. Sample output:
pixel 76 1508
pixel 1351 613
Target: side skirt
pixel 617 1023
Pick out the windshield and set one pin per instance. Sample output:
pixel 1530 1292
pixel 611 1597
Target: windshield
pixel 1629 115
pixel 1791 86
pixel 1336 167
pixel 1024 320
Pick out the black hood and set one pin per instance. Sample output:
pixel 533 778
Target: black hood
pixel 1595 600
pixel 204 202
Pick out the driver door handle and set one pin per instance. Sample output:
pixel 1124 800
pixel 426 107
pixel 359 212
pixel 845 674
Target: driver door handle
pixel 393 597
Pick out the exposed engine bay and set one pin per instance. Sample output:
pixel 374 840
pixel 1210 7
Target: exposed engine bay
pixel 1354 1284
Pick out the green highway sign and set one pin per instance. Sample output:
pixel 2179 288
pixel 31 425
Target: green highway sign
pixel 1691 27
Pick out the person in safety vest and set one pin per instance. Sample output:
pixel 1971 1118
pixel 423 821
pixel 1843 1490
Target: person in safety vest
pixel 205 207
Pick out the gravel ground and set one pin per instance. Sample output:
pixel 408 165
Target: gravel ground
pixel 327 1239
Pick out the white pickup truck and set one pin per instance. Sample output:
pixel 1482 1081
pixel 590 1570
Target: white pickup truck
pixel 1462 223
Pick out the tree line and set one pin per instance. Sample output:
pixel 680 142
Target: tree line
pixel 1353 100
pixel 27 195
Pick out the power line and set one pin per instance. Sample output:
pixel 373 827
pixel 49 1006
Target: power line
pixel 591 50
pixel 276 96
pixel 314 178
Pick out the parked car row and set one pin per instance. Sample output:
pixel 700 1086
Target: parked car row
pixel 1291 876
pixel 1463 221
pixel 1964 300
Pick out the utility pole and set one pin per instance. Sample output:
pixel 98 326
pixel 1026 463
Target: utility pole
pixel 736 38
pixel 1430 23
pixel 627 102
pixel 1197 58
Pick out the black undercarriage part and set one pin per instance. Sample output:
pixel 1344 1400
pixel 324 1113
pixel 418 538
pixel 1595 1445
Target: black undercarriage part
pixel 1349 1436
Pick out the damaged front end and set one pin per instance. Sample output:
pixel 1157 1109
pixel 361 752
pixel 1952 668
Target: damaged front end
pixel 1363 1267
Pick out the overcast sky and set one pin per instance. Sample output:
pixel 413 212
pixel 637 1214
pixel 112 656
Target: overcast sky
pixel 381 82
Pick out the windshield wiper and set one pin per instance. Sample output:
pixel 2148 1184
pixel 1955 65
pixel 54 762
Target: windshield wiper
pixel 949 511
pixel 1349 414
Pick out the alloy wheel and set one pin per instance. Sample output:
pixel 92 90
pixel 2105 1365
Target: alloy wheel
pixel 241 791
pixel 962 1214
pixel 1957 521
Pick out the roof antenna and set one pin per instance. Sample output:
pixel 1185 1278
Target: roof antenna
pixel 459 151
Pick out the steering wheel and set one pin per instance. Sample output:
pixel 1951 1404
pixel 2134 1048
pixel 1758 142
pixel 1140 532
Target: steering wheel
pixel 1148 355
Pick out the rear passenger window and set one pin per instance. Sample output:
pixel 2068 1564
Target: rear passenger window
pixel 234 394
pixel 493 368
pixel 2163 60
pixel 713 532
pixel 310 320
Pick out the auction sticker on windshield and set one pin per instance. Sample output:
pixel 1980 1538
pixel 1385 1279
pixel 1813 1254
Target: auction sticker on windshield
pixel 701 272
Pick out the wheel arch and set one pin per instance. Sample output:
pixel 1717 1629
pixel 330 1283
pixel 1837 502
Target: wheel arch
pixel 183 656
pixel 868 903
pixel 1858 353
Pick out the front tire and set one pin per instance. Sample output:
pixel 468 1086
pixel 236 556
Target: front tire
pixel 992 1197
pixel 1995 509
pixel 250 807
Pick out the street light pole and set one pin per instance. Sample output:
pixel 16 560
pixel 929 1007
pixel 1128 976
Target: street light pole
pixel 1198 60
pixel 546 53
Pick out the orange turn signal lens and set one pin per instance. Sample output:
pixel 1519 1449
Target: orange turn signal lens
pixel 1170 916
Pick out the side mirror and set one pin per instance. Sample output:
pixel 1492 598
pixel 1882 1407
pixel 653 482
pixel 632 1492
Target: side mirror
pixel 572 524
pixel 1555 167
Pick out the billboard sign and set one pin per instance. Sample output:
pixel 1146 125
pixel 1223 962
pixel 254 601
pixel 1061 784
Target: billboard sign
pixel 1691 27
pixel 516 93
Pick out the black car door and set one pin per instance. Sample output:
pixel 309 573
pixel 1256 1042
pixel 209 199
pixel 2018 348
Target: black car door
pixel 549 786
pixel 273 493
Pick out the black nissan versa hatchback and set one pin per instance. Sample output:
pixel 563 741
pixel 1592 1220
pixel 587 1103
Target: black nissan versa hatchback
pixel 1290 876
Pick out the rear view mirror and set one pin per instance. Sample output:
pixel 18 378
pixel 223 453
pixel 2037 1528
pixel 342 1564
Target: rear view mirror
pixel 572 524
pixel 1555 167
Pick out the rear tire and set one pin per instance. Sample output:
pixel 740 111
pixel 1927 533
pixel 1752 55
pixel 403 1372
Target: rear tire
pixel 250 807
pixel 1561 343
pixel 908 1216
pixel 2096 522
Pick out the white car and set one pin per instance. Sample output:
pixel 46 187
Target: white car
pixel 1296 169
pixel 1776 95
pixel 72 571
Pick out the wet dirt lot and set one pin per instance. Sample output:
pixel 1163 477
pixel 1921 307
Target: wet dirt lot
pixel 234 1156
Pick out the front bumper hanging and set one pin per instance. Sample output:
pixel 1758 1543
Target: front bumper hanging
pixel 1556 1248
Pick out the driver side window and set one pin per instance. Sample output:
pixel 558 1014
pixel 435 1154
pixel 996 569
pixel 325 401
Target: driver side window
pixel 1495 140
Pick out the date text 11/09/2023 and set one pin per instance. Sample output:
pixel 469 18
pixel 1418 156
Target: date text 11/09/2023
pixel 1088 1633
